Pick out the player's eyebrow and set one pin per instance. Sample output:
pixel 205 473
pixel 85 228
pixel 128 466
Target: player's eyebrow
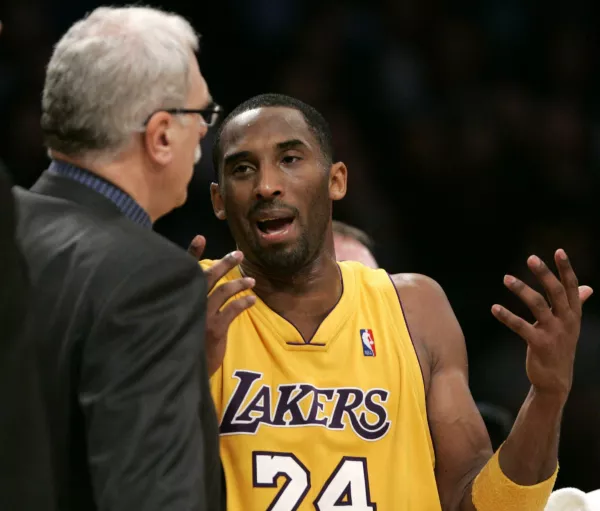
pixel 235 156
pixel 290 144
pixel 281 146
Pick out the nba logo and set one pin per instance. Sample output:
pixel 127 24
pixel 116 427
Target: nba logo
pixel 368 343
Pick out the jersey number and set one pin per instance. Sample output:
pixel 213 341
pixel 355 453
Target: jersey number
pixel 346 488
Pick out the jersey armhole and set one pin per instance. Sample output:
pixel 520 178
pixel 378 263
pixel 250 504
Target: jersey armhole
pixel 403 324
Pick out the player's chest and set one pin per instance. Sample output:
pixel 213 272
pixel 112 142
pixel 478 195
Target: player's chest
pixel 256 402
pixel 349 385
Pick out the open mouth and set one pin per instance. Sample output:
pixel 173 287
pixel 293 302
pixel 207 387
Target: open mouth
pixel 273 226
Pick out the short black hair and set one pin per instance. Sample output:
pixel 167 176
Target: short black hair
pixel 315 121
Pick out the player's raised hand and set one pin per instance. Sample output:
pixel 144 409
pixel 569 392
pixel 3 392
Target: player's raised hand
pixel 223 307
pixel 552 339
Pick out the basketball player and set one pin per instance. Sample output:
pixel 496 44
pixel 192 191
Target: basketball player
pixel 343 387
pixel 352 244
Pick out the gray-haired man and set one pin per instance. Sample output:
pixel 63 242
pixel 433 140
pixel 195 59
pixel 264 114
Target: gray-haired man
pixel 121 416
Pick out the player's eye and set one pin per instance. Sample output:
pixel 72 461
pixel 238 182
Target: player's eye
pixel 241 169
pixel 288 159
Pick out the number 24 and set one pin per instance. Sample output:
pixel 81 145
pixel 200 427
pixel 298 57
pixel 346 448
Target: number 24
pixel 349 479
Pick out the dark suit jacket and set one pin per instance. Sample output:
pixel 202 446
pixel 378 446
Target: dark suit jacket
pixel 13 274
pixel 111 408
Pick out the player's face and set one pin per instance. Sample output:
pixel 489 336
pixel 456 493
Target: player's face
pixel 275 190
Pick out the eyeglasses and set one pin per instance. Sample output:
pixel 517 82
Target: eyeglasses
pixel 209 115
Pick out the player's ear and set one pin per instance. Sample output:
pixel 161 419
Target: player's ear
pixel 217 201
pixel 338 181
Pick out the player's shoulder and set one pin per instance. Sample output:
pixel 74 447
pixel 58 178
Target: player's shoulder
pixel 365 275
pixel 418 284
pixel 420 295
pixel 426 308
pixel 412 283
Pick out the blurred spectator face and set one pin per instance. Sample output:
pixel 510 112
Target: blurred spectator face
pixel 349 249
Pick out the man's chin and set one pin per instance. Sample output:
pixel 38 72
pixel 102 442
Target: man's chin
pixel 281 258
pixel 182 199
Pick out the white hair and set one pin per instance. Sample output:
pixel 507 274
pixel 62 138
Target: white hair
pixel 109 73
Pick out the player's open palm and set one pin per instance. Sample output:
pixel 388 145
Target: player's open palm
pixel 222 307
pixel 552 339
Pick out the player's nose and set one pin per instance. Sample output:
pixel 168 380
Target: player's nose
pixel 268 182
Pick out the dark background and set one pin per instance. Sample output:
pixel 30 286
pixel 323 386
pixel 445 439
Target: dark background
pixel 471 131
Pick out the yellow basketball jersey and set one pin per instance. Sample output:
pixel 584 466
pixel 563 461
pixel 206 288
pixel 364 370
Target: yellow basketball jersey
pixel 336 424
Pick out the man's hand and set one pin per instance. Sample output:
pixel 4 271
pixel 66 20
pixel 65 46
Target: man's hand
pixel 552 339
pixel 218 318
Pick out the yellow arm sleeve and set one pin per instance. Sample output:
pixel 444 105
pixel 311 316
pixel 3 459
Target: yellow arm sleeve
pixel 493 491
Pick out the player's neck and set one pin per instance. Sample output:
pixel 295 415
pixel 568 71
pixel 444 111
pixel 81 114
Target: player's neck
pixel 316 287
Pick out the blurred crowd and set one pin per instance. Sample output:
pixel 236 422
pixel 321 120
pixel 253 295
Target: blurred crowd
pixel 471 131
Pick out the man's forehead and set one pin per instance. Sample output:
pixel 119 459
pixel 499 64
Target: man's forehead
pixel 199 94
pixel 268 125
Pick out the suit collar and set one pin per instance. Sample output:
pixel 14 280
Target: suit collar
pixel 82 187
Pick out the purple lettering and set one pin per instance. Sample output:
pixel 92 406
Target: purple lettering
pixel 344 407
pixel 286 404
pixel 364 412
pixel 242 390
pixel 380 428
pixel 317 406
pixel 260 404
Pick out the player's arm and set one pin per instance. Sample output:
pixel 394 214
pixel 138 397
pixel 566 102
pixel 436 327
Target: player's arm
pixel 461 442
pixel 140 392
pixel 521 475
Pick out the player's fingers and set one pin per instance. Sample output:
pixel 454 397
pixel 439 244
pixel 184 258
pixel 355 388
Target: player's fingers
pixel 217 271
pixel 235 308
pixel 197 246
pixel 518 325
pixel 584 293
pixel 226 291
pixel 535 301
pixel 568 279
pixel 554 289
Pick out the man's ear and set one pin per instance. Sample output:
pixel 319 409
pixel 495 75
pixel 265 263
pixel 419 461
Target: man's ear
pixel 217 201
pixel 338 181
pixel 158 138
